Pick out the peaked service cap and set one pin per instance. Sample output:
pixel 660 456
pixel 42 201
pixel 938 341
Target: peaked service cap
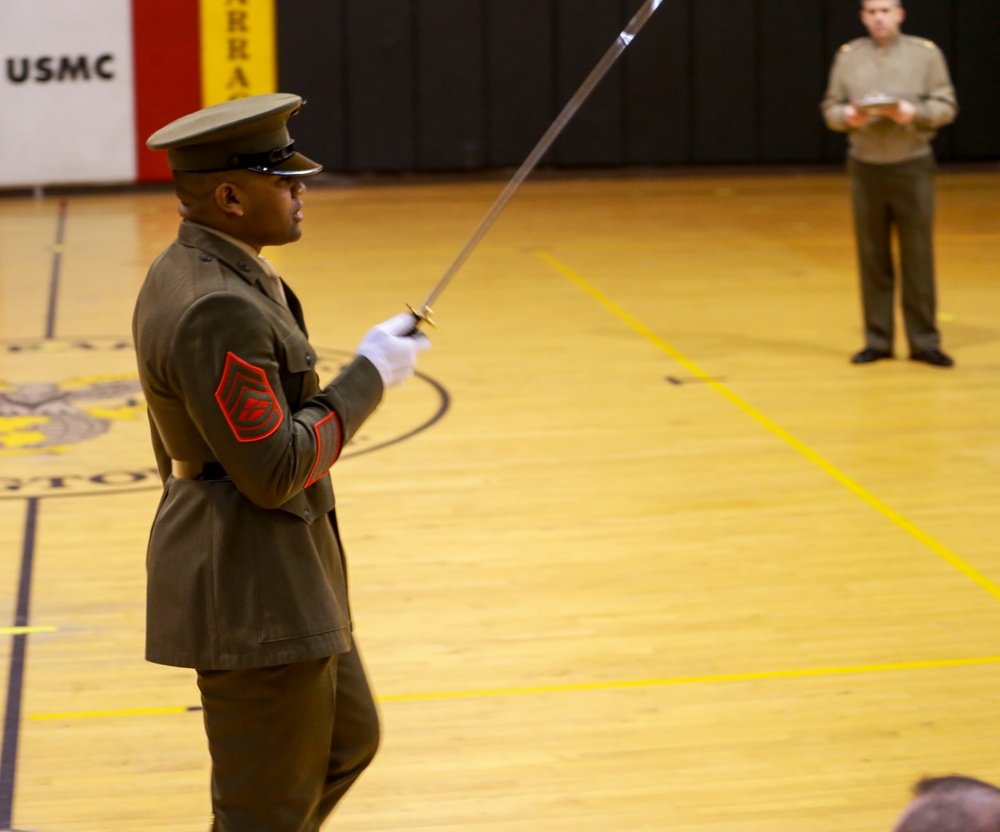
pixel 246 133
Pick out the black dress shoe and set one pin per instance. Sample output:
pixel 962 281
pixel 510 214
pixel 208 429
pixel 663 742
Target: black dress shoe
pixel 868 355
pixel 935 357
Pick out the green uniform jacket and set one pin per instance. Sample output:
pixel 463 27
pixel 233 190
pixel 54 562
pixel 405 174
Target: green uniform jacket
pixel 247 570
pixel 910 68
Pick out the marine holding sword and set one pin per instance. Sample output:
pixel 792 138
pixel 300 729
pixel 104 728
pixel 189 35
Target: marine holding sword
pixel 246 575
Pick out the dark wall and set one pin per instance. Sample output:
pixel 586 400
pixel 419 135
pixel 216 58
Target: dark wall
pixel 446 85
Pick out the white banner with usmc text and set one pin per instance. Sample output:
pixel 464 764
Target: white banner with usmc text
pixel 66 93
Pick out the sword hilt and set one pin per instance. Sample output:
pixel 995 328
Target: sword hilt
pixel 420 316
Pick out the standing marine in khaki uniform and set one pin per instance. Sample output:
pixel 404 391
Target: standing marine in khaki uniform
pixel 245 572
pixel 890 92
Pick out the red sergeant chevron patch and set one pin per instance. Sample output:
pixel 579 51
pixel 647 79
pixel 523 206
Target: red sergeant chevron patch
pixel 329 440
pixel 247 400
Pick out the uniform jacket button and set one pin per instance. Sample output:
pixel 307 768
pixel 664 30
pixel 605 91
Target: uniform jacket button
pixel 206 257
pixel 307 514
pixel 244 266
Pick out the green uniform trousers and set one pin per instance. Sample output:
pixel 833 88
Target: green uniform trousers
pixel 897 195
pixel 286 742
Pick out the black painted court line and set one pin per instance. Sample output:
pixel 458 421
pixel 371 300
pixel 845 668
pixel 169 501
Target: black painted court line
pixel 15 681
pixel 19 647
pixel 50 318
pixel 444 402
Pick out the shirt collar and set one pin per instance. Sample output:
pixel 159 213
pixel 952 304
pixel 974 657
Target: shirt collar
pixel 269 270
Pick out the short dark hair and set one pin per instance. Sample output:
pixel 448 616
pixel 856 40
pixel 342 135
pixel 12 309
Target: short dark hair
pixel 950 784
pixel 946 806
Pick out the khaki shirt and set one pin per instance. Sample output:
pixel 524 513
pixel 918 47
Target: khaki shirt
pixel 910 68
pixel 271 280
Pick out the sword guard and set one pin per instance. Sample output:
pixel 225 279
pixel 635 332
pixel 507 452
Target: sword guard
pixel 421 316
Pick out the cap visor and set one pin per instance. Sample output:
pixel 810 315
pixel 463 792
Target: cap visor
pixel 294 165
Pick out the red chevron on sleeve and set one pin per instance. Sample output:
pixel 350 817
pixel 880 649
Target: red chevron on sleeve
pixel 247 400
pixel 329 441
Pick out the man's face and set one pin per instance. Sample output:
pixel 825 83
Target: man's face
pixel 882 19
pixel 272 208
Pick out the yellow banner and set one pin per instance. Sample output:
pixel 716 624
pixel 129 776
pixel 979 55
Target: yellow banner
pixel 238 54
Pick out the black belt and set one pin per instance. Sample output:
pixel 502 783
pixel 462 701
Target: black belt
pixel 213 471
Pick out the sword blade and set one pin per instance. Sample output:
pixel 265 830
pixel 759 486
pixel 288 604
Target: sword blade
pixel 586 88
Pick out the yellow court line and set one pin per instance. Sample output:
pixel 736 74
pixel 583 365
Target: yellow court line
pixel 851 485
pixel 124 712
pixel 20 631
pixel 763 675
pixel 585 687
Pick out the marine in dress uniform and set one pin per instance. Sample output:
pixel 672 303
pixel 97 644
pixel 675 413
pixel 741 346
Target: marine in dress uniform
pixel 891 168
pixel 246 573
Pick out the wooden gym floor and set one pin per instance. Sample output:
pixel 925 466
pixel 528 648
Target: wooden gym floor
pixel 638 550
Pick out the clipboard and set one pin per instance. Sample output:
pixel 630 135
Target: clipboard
pixel 874 103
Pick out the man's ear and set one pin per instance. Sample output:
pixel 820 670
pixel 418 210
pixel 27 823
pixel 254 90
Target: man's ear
pixel 230 199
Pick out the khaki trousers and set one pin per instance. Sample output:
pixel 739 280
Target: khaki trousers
pixel 286 742
pixel 899 196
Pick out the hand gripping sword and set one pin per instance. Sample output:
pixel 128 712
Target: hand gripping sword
pixel 423 312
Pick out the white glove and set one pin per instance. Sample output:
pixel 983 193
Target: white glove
pixel 392 350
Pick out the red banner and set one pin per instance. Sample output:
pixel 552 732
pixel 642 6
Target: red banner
pixel 167 55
